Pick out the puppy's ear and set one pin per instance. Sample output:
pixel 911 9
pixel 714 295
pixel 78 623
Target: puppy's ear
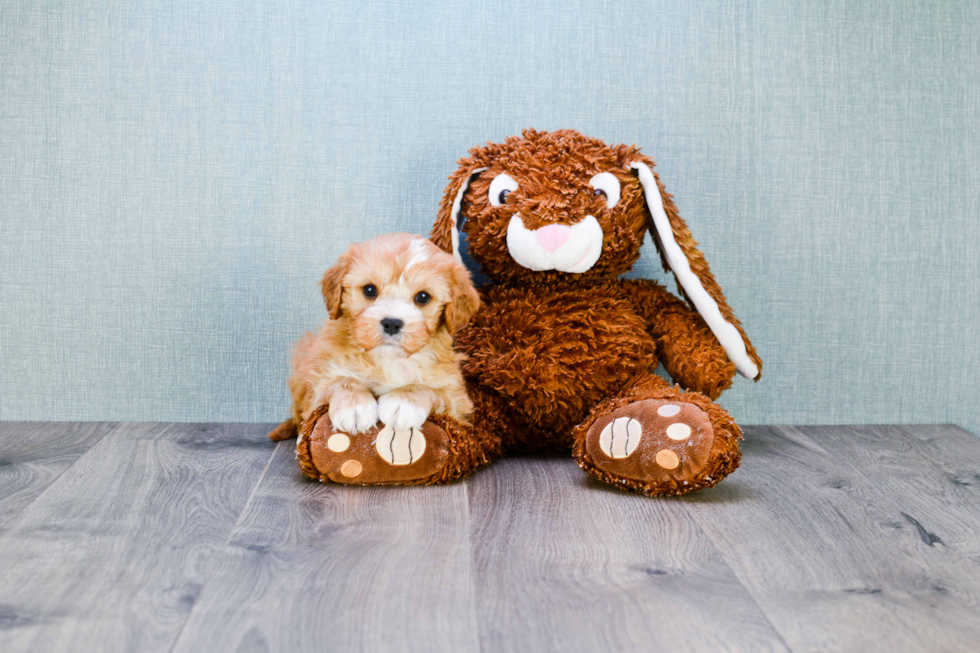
pixel 681 255
pixel 464 300
pixel 445 232
pixel 332 286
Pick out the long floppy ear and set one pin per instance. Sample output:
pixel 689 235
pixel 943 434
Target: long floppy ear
pixel 445 232
pixel 680 253
pixel 332 286
pixel 463 302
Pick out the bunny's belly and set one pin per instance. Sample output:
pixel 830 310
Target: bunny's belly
pixel 553 354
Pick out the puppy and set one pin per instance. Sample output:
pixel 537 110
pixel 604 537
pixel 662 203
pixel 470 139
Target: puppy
pixel 386 353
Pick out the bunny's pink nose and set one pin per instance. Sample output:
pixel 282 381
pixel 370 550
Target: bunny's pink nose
pixel 553 236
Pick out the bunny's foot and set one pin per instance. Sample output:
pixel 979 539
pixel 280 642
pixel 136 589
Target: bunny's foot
pixel 439 451
pixel 659 441
pixel 379 456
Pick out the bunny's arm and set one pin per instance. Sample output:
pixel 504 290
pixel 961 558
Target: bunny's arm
pixel 685 344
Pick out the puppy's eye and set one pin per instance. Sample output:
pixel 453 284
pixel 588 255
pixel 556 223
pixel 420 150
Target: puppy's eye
pixel 501 186
pixel 606 185
pixel 370 290
pixel 422 298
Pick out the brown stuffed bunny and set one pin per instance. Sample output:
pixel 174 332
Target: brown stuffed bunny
pixel 562 353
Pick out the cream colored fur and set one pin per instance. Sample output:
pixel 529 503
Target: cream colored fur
pixel 366 375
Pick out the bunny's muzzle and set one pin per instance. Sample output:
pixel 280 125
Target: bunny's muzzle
pixel 566 248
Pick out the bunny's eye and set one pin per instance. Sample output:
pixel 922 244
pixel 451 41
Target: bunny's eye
pixel 606 185
pixel 501 186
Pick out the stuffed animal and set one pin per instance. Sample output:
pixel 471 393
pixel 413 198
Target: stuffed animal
pixel 562 353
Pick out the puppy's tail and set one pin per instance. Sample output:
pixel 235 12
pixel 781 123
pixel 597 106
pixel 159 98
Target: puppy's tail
pixel 284 431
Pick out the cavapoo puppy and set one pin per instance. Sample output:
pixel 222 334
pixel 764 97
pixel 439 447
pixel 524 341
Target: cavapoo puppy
pixel 386 353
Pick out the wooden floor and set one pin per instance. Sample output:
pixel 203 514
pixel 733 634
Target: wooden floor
pixel 205 537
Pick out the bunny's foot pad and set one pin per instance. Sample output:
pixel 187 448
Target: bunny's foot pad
pixel 381 456
pixel 658 446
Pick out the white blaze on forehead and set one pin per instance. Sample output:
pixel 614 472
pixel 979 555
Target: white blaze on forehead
pixel 577 254
pixel 418 252
pixel 725 331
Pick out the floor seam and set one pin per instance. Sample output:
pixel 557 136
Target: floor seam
pixel 471 557
pixel 26 509
pixel 723 559
pixel 224 547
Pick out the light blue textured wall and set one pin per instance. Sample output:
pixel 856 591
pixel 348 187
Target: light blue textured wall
pixel 175 176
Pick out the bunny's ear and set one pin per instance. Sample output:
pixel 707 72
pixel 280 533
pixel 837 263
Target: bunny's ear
pixel 680 253
pixel 445 232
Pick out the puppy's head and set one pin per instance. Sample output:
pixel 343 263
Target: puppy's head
pixel 397 291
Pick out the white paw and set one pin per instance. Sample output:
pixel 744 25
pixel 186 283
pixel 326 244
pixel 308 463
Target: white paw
pixel 355 415
pixel 400 414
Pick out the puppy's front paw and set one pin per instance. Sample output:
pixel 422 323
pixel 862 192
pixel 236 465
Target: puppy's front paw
pixel 354 413
pixel 400 413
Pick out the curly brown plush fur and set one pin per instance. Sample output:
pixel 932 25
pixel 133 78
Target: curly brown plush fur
pixel 558 350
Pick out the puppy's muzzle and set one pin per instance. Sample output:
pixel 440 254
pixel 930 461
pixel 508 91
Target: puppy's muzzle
pixel 392 325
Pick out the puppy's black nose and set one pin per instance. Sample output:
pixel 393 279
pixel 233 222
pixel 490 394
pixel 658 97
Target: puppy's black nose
pixel 392 325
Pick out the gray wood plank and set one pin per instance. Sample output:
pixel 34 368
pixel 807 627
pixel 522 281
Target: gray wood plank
pixel 32 457
pixel 932 472
pixel 831 558
pixel 566 564
pixel 340 568
pixel 113 555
